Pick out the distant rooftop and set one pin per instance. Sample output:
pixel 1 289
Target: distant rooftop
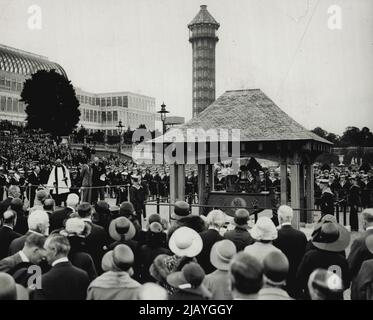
pixel 22 62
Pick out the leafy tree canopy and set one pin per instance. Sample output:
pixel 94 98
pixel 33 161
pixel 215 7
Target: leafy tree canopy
pixel 51 104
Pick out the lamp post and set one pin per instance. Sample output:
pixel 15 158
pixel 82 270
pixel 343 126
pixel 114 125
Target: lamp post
pixel 163 113
pixel 120 130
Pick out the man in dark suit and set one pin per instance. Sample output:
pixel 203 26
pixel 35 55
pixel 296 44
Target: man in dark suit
pixel 38 223
pixel 215 220
pixel 63 281
pixel 327 198
pixel 7 235
pixel 240 235
pixel 13 192
pixel 359 251
pixel 33 252
pixel 292 243
pixel 58 217
pixel 34 182
pixel 98 240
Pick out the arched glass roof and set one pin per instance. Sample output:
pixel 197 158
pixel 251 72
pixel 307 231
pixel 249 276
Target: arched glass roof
pixel 21 62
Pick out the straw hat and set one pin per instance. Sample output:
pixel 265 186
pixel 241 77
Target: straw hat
pixel 185 242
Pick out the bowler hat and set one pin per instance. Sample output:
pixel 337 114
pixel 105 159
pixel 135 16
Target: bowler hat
pixel 181 210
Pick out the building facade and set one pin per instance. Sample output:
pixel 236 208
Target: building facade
pixel 98 111
pixel 203 37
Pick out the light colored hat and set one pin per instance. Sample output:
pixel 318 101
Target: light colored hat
pixel 264 229
pixel 185 242
pixel 222 253
pixel 122 226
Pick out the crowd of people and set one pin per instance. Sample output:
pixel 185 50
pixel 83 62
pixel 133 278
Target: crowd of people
pixel 107 253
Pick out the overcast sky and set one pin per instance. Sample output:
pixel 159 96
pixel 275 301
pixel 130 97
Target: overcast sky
pixel 321 77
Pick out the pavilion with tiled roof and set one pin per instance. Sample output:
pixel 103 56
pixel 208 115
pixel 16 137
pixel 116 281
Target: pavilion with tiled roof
pixel 265 131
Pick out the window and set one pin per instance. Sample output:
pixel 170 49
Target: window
pixel 125 102
pixel 15 108
pixel 95 116
pixel 108 100
pixel 114 101
pixel 109 117
pixel 2 81
pixel 9 104
pixel 120 101
pixel 103 102
pixel 91 115
pixel 115 116
pixel 7 83
pixel 2 103
pixel 14 85
pixel 19 86
pixel 103 114
pixel 97 101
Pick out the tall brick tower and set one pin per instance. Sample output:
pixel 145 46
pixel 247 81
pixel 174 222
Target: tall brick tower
pixel 203 36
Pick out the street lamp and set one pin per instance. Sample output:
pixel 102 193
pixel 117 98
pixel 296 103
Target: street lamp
pixel 163 113
pixel 120 130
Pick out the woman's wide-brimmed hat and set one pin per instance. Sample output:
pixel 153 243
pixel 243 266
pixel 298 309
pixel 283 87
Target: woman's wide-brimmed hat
pixel 329 235
pixel 264 229
pixel 185 242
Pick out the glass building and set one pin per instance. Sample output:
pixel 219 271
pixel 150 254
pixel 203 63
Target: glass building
pixel 98 111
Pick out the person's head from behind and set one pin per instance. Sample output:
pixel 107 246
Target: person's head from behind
pixel 285 214
pixel 57 246
pixel 275 269
pixel 241 217
pixel 126 209
pixel 14 192
pixel 368 218
pixel 246 275
pixel 41 196
pixel 123 258
pixel 85 210
pixel 325 285
pixel 16 205
pixel 72 200
pixel 34 248
pixel 8 290
pixel 9 218
pixel 216 219
pixel 49 205
pixel 38 221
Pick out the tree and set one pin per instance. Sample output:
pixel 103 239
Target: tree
pixel 81 134
pixel 51 104
pixel 320 132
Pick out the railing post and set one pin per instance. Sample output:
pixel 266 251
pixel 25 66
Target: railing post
pixel 158 206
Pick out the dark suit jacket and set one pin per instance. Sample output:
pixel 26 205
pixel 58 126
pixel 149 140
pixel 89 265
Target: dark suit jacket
pixel 7 235
pixel 359 253
pixel 317 258
pixel 9 263
pixel 240 237
pixel 96 243
pixel 57 218
pixel 362 286
pixel 63 282
pixel 4 205
pixel 18 243
pixel 292 243
pixel 209 237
